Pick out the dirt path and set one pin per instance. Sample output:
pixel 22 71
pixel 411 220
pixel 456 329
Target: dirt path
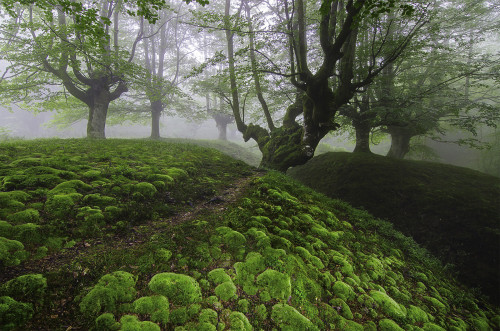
pixel 133 237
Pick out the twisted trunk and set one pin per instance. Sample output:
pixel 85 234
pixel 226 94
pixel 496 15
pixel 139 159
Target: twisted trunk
pixel 400 142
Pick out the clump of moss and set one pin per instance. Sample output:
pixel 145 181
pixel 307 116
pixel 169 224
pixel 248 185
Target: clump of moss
pixel 29 215
pixel 389 325
pixel 107 322
pixel 288 318
pixel 218 276
pixel 178 288
pixel 239 322
pixel 28 233
pixel 179 316
pixel 132 323
pixel 146 189
pixel 110 290
pixel 156 306
pixel 208 316
pixel 90 220
pixel 12 252
pixel 61 205
pixel 14 314
pixel 343 291
pixel 226 291
pixel 233 241
pixel 276 283
pixel 388 305
pixel 26 288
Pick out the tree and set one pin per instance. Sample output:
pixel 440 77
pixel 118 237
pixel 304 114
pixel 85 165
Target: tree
pixel 92 70
pixel 324 76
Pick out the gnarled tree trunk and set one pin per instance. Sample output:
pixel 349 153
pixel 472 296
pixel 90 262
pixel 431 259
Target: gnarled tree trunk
pixel 400 142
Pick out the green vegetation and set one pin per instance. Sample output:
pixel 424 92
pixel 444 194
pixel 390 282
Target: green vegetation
pixel 452 211
pixel 277 256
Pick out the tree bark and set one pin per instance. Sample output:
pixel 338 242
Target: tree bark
pixel 363 129
pixel 156 109
pixel 400 142
pixel 98 103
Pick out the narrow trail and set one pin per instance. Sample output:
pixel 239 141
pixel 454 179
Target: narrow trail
pixel 136 235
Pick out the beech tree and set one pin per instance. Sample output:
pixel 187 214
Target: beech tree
pixel 324 77
pixel 93 69
pixel 440 83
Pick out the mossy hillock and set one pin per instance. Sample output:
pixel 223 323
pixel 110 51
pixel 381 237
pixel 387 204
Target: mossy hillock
pixel 269 254
pixel 452 211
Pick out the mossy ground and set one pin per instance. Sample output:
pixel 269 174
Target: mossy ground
pixel 453 211
pixel 279 257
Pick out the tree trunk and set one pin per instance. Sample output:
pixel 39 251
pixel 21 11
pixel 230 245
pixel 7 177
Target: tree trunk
pixel 156 109
pixel 98 103
pixel 362 137
pixel 400 142
pixel 222 127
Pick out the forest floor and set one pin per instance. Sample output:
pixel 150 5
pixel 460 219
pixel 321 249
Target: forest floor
pixel 93 234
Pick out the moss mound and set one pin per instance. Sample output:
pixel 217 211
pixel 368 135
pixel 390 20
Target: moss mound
pixel 453 211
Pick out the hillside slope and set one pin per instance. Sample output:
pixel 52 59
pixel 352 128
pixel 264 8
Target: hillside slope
pixel 453 211
pixel 141 235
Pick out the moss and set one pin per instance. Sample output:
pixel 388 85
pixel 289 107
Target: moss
pixel 156 306
pixel 343 308
pixel 234 243
pixel 91 174
pixel 417 315
pixel 479 323
pixel 179 316
pixel 163 255
pixel 226 291
pixel 14 314
pixel 28 233
pixel 61 205
pixel 25 216
pixel 239 322
pixel 388 325
pixel 276 283
pixel 179 289
pixel 343 291
pixel 12 252
pixel 208 316
pixel 432 327
pixel 68 187
pixel 388 305
pixel 107 322
pixel 40 252
pixel 110 290
pixel 146 189
pixel 132 323
pixel 218 276
pixel 99 200
pixel 90 220
pixel 437 305
pixel 26 288
pixel 6 229
pixel 176 173
pixel 289 319
pixel 244 306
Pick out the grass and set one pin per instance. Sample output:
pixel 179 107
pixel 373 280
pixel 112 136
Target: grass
pixel 453 211
pixel 277 255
